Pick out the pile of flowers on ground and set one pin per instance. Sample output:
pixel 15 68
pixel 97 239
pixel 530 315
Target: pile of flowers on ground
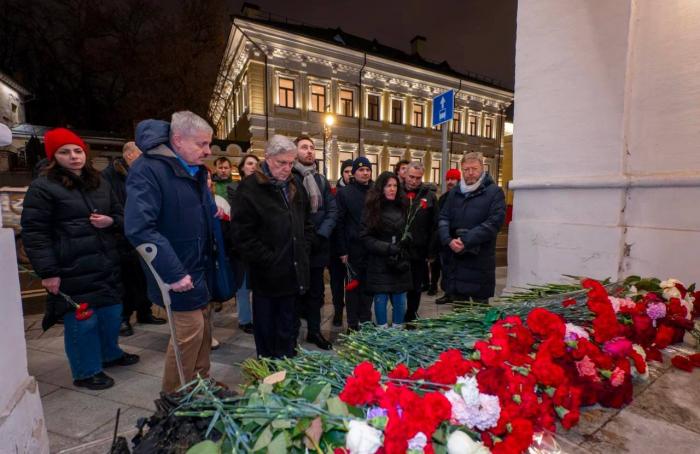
pixel 483 379
pixel 526 377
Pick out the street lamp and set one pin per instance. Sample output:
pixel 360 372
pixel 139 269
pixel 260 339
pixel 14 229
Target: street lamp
pixel 328 121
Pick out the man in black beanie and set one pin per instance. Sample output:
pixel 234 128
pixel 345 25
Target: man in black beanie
pixel 351 204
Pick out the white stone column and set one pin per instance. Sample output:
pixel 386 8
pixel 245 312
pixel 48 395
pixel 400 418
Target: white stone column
pixel 22 424
pixel 606 167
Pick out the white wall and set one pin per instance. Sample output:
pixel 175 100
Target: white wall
pixel 22 425
pixel 606 165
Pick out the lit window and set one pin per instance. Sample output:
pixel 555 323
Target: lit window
pixel 347 103
pixel 488 128
pixel 373 159
pixel 318 98
pixel 418 114
pixel 457 123
pixel 435 171
pixel 396 111
pixel 286 93
pixel 393 160
pixel 472 125
pixel 373 107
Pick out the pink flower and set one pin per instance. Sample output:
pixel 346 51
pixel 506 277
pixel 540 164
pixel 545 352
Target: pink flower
pixel 656 311
pixel 586 367
pixel 621 303
pixel 618 377
pixel 618 347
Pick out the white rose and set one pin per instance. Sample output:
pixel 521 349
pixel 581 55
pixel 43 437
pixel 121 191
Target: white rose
pixel 461 443
pixel 470 390
pixel 362 438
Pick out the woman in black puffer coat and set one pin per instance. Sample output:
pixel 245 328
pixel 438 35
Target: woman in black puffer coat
pixel 388 264
pixel 68 222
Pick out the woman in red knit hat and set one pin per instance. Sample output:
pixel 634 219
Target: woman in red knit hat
pixel 69 221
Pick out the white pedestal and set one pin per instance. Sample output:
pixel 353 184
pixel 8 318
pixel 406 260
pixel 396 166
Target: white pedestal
pixel 607 122
pixel 22 425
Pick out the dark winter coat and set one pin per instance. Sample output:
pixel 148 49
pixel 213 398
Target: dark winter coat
pixel 388 267
pixel 115 173
pixel 424 223
pixel 324 220
pixel 170 208
pixel 61 242
pixel 351 205
pixel 272 234
pixel 476 218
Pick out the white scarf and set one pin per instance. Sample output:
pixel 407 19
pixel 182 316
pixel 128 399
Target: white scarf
pixel 467 188
pixel 310 185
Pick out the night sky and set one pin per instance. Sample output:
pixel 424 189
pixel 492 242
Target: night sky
pixel 472 35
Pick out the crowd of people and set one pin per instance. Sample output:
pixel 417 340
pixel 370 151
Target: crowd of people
pixel 383 242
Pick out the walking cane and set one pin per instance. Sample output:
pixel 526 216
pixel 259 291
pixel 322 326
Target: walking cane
pixel 148 252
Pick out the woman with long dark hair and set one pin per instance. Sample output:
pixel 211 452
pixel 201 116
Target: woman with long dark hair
pixel 246 167
pixel 69 220
pixel 388 265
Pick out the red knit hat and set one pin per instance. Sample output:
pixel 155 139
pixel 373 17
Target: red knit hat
pixel 56 138
pixel 453 174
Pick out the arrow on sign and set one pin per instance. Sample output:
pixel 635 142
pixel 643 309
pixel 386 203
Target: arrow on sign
pixel 442 103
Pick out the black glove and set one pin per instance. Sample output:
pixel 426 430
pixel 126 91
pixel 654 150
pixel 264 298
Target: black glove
pixel 394 249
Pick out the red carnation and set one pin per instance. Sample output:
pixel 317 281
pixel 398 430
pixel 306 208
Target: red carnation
pixel 362 387
pixel 352 285
pixel 400 372
pixel 411 195
pixel 423 204
pixel 545 323
pixel 568 302
pixel 664 336
pixel 682 362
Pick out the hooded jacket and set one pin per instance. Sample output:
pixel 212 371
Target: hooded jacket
pixel 273 233
pixel 476 218
pixel 174 210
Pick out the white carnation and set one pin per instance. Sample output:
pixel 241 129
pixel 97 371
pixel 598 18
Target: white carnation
pixel 461 443
pixel 362 438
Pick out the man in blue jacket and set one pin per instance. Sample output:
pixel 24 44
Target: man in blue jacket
pixel 169 205
pixel 323 216
pixel 468 224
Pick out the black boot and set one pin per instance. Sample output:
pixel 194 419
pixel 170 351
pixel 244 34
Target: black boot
pixel 125 329
pixel 127 359
pixel 446 299
pixel 98 381
pixel 319 340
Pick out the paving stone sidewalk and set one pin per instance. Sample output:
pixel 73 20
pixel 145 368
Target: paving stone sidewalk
pixel 664 416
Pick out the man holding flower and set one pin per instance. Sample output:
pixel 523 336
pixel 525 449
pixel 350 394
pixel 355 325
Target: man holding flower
pixel 422 219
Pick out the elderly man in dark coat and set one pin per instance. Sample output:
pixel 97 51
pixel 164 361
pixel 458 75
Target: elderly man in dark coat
pixel 168 204
pixel 272 232
pixel 469 221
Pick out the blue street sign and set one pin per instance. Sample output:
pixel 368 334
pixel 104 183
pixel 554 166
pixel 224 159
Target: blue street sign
pixel 443 107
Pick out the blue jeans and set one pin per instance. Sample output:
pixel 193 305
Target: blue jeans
pixel 91 342
pixel 398 307
pixel 245 314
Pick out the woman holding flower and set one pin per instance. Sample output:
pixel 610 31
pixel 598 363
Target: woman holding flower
pixel 69 221
pixel 382 232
